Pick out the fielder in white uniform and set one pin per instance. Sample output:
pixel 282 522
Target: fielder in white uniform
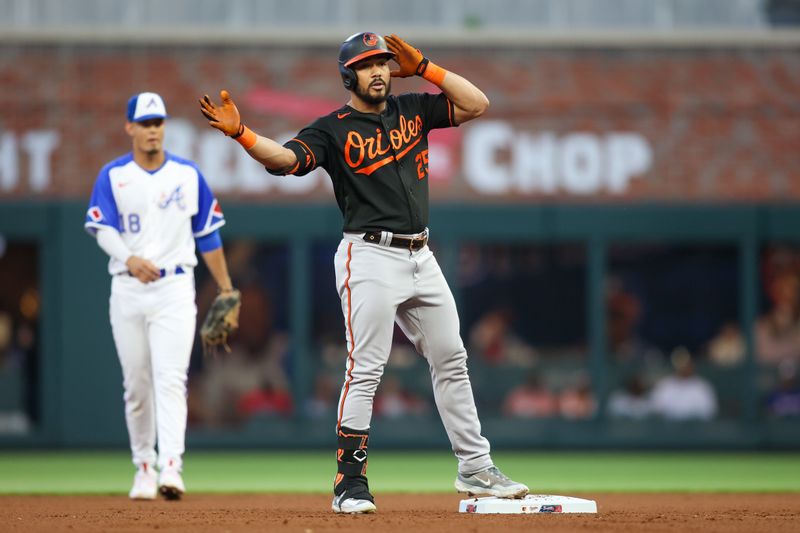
pixel 148 208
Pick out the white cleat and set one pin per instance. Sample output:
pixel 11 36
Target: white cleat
pixel 342 504
pixel 145 484
pixel 170 484
pixel 491 482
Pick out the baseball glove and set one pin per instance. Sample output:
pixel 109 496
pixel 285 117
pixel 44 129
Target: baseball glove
pixel 222 320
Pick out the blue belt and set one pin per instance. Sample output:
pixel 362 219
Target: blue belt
pixel 164 272
pixel 177 270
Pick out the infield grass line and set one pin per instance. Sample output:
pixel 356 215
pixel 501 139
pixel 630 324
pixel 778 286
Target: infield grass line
pixel 34 472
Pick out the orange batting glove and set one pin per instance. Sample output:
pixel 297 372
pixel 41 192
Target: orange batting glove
pixel 412 62
pixel 227 120
pixel 408 57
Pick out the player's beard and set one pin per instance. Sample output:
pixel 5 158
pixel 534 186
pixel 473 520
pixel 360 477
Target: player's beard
pixel 365 95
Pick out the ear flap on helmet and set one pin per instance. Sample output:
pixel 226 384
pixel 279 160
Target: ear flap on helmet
pixel 349 78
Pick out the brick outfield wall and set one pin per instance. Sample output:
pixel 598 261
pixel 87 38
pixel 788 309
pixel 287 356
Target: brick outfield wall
pixel 587 125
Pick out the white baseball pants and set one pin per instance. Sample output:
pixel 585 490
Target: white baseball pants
pixel 379 285
pixel 153 326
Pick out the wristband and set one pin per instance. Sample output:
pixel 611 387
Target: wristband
pixel 431 71
pixel 245 136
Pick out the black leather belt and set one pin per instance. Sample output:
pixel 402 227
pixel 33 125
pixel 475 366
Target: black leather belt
pixel 397 242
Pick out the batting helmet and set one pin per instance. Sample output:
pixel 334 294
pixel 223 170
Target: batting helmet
pixel 355 48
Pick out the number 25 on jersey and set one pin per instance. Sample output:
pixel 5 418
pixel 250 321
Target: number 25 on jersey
pixel 422 164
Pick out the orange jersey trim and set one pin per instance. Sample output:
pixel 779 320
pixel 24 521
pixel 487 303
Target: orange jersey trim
pixel 310 151
pixel 450 106
pixel 350 358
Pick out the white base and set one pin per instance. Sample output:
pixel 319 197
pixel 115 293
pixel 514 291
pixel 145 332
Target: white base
pixel 532 503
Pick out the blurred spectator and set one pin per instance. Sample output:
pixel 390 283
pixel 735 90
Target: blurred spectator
pixel 333 351
pixel 251 378
pixel 392 401
pixel 727 347
pixel 27 345
pixel 472 268
pixel 632 401
pixel 531 399
pixel 196 412
pixel 494 339
pixel 785 400
pixel 13 416
pixel 265 400
pixel 323 398
pixel 9 355
pixel 684 395
pixel 577 402
pixel 778 331
pixel 623 314
pixel 403 354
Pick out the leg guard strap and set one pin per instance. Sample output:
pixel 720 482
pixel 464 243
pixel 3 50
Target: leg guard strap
pixel 352 453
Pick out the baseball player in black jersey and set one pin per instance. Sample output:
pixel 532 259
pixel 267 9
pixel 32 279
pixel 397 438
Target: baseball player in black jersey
pixel 375 149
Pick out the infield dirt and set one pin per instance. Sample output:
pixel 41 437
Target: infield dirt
pixel 396 513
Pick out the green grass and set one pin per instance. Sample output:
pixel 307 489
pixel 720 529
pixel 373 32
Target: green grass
pixel 111 472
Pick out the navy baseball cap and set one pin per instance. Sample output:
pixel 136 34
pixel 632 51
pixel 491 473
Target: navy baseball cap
pixel 146 106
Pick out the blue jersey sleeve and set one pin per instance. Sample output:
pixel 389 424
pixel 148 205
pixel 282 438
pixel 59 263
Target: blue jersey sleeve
pixel 209 215
pixel 102 210
pixel 210 242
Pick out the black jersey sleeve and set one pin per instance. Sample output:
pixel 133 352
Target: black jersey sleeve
pixel 438 110
pixel 309 146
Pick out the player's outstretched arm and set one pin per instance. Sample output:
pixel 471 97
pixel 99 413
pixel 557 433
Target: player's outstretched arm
pixel 469 101
pixel 225 118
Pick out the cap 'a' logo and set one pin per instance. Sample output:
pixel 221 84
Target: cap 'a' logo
pixel 370 39
pixel 151 104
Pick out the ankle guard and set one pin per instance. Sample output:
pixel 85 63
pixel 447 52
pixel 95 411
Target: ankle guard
pixel 351 457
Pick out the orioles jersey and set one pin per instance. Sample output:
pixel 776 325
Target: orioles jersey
pixel 157 213
pixel 378 163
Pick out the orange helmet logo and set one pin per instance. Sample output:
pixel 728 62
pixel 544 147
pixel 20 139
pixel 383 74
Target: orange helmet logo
pixel 370 39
